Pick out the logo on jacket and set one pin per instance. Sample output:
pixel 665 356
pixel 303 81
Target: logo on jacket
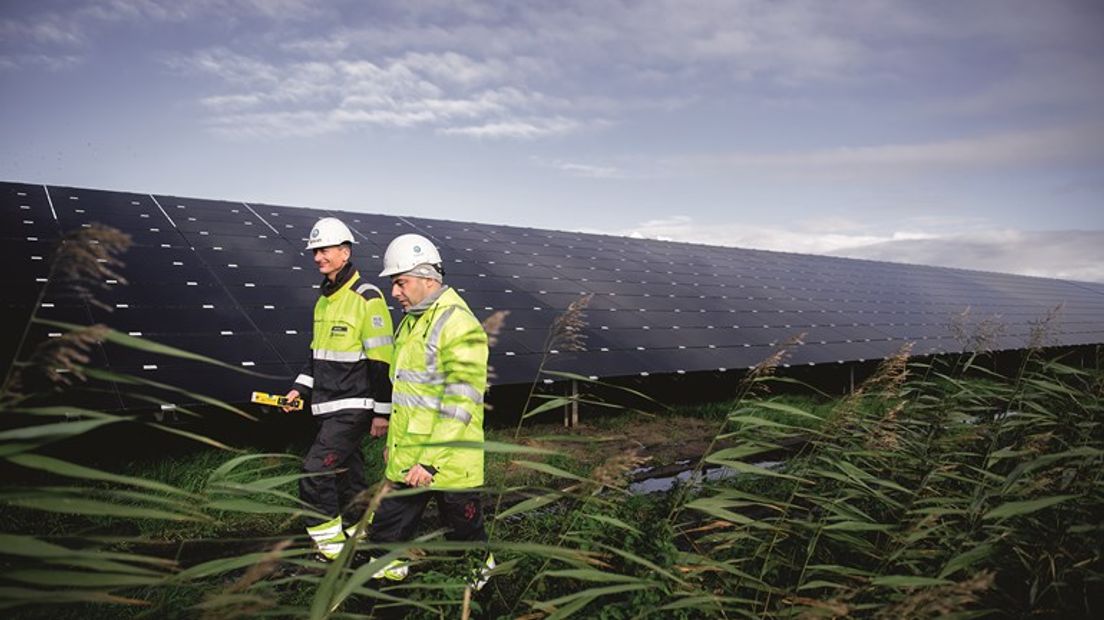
pixel 339 330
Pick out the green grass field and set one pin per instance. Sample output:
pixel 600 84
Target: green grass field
pixel 932 490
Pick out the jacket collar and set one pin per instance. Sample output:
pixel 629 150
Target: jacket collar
pixel 347 272
pixel 428 302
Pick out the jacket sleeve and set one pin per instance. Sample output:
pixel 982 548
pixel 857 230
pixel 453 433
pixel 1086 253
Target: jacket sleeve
pixel 377 336
pixel 305 381
pixel 380 380
pixel 463 362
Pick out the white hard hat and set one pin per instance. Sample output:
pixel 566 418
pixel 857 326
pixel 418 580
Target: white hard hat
pixel 406 252
pixel 329 231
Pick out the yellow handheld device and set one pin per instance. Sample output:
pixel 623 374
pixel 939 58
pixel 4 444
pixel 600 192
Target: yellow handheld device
pixel 276 401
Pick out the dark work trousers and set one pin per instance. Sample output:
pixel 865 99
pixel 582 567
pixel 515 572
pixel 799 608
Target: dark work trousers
pixel 396 519
pixel 337 447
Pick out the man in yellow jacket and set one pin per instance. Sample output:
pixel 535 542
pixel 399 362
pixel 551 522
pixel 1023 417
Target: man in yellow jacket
pixel 438 375
pixel 347 380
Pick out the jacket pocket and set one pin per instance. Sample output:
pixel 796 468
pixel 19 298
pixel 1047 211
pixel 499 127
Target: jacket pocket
pixel 421 422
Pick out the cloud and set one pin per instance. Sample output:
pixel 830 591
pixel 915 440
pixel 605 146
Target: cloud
pixel 741 40
pixel 1069 255
pixel 587 171
pixel 700 49
pixel 995 150
pixel 1073 255
pixel 1038 81
pixel 807 239
pixel 230 103
pixel 34 35
pixel 449 93
pixel 82 23
pixel 529 128
pixel 228 67
pixel 50 41
pixel 471 53
pixel 299 124
pixel 451 67
pixel 38 36
pixel 47 30
pixel 595 63
pixel 20 62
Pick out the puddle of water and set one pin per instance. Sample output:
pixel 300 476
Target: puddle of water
pixel 666 483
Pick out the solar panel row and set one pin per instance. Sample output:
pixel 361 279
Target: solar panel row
pixel 231 281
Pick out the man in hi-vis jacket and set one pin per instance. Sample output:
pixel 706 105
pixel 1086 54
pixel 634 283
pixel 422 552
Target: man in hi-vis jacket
pixel 439 374
pixel 347 381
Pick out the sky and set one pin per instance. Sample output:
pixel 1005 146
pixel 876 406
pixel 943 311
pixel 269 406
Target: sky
pixel 963 133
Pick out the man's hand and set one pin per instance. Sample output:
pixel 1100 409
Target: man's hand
pixel 379 426
pixel 418 477
pixel 292 395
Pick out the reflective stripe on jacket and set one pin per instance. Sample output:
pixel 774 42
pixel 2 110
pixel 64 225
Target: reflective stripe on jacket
pixel 351 349
pixel 439 374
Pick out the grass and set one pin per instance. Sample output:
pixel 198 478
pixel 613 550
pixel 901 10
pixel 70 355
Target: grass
pixel 664 439
pixel 919 495
pixel 818 406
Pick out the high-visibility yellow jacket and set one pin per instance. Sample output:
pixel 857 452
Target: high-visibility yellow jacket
pixel 351 348
pixel 438 374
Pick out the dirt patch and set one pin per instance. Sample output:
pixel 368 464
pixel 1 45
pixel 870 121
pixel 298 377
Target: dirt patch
pixel 620 443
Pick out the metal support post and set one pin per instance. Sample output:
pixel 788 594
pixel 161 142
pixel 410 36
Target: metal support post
pixel 574 403
pixel 571 410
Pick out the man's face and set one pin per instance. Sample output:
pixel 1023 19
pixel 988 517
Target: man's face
pixel 410 290
pixel 331 259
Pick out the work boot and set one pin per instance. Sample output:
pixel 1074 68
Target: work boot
pixel 328 539
pixel 482 575
pixel 396 570
pixel 351 530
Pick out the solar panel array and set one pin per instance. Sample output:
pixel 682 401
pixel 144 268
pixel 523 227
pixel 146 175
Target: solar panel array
pixel 232 281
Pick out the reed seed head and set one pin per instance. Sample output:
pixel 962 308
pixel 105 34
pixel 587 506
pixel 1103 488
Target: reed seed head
pixel 567 330
pixel 1042 332
pixel 753 380
pixel 86 261
pixel 493 325
pixel 982 336
pixel 941 601
pixel 61 358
